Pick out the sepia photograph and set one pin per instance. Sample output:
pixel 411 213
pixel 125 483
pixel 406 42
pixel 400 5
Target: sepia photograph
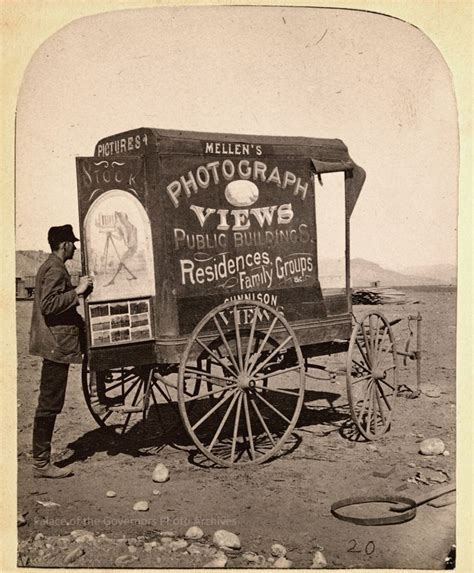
pixel 236 245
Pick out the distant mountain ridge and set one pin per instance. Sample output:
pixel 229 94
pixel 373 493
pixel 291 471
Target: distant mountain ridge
pixel 363 272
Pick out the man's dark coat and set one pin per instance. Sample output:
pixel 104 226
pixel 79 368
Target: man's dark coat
pixel 57 329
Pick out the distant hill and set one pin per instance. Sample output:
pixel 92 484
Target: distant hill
pixel 447 274
pixel 28 262
pixel 363 272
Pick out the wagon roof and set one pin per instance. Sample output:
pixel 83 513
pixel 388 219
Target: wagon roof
pixel 162 140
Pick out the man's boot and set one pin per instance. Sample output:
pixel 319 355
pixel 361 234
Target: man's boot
pixel 42 434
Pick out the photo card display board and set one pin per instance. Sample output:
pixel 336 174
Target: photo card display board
pixel 120 321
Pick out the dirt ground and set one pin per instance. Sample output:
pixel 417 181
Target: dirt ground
pixel 284 501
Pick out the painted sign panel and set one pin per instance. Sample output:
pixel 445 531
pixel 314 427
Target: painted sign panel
pixel 242 225
pixel 119 247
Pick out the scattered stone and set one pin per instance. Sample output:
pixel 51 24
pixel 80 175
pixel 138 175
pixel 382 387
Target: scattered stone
pixel 73 555
pixel 250 557
pixel 111 493
pixel 194 532
pixel 446 453
pixel 125 559
pixel 178 545
pixel 47 503
pixel 226 539
pixel 86 538
pixel 412 465
pixel 156 492
pixel 20 520
pixel 278 550
pixel 218 562
pixel 160 473
pixel 148 547
pixel 49 546
pixel 319 561
pixel 372 448
pixel 41 552
pixel 430 390
pixel 132 541
pixel 132 549
pixel 82 536
pixel 39 536
pixel 402 487
pixel 194 549
pixel 166 540
pixel 383 472
pixel 282 563
pixel 153 544
pixel 167 534
pixel 141 506
pixel 432 447
pixel 158 559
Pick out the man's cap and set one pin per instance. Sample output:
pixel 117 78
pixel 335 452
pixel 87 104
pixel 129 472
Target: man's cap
pixel 62 233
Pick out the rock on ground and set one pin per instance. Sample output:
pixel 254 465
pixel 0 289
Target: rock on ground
pixel 194 532
pixel 226 539
pixel 73 555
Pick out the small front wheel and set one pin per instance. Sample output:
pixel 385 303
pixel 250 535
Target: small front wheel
pixel 372 375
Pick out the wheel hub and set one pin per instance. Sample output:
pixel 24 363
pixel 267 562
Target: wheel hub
pixel 378 373
pixel 243 381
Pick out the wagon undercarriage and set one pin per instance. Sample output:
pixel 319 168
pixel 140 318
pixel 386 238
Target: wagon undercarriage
pixel 240 394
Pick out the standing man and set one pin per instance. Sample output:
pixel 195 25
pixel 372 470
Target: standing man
pixel 57 335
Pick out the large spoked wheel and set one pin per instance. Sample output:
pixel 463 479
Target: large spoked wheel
pixel 247 383
pixel 129 400
pixel 372 375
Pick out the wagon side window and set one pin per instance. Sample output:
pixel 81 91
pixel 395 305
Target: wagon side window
pixel 331 232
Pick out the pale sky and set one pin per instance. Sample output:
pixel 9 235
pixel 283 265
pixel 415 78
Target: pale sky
pixel 375 82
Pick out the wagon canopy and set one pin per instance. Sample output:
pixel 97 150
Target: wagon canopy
pixel 327 155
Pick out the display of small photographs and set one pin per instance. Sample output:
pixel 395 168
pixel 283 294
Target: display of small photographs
pixel 120 335
pixel 140 333
pixel 125 321
pixel 119 308
pixel 102 325
pixel 100 338
pixel 99 310
pixel 140 319
pixel 120 321
pixel 139 307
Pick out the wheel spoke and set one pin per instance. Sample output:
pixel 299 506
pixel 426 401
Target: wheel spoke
pixel 134 401
pixel 249 426
pixel 213 409
pixel 278 373
pixel 268 358
pixel 388 384
pixel 223 421
pixel 262 421
pixel 366 342
pixel 238 342
pixel 364 354
pixel 379 402
pixel 216 358
pixel 250 340
pixel 364 403
pixel 226 344
pixel 236 424
pixel 278 390
pixel 207 394
pixel 208 376
pixel 361 366
pixel 356 380
pixel 257 354
pixel 384 397
pixel 380 344
pixel 272 407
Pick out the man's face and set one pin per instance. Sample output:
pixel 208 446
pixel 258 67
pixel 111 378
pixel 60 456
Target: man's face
pixel 69 250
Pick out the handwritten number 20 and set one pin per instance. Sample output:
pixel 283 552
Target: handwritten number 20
pixel 369 548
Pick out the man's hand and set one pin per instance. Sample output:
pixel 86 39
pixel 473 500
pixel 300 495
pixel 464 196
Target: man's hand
pixel 84 284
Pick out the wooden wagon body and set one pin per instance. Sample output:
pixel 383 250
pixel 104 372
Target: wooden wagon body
pixel 221 266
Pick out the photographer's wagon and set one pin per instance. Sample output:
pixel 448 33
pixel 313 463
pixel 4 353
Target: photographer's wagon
pixel 221 266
